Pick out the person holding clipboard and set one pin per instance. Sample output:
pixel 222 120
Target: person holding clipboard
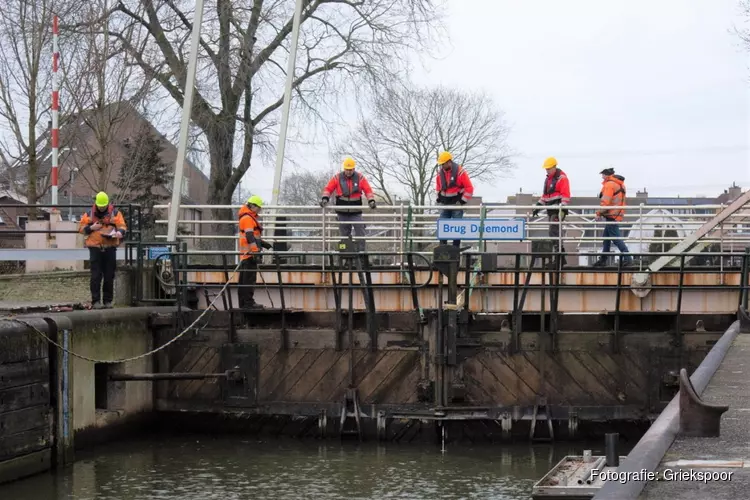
pixel 104 227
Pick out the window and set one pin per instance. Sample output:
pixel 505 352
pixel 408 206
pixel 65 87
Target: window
pixel 185 187
pixel 21 221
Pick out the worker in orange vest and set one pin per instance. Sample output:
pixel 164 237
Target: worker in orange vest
pixel 250 244
pixel 348 188
pixel 612 195
pixel 104 227
pixel 555 196
pixel 453 187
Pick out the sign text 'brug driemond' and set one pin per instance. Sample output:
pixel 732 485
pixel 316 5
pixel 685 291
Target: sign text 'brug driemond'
pixel 492 229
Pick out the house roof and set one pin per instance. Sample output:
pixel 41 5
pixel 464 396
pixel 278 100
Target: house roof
pixel 76 127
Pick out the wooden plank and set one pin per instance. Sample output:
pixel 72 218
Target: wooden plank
pixel 525 381
pixel 26 419
pixel 293 375
pixel 334 377
pixel 17 344
pixel 631 381
pixel 379 373
pixel 26 465
pixel 24 397
pixel 317 371
pixel 597 393
pixel 21 443
pixel 394 380
pixel 406 391
pixel 557 385
pixel 361 369
pixel 612 385
pixel 480 376
pixel 191 356
pixel 209 363
pixel 282 362
pixel 23 373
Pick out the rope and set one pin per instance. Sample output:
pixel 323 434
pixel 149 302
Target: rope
pixel 146 354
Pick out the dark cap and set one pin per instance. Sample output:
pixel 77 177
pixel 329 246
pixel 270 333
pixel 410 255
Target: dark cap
pixel 608 171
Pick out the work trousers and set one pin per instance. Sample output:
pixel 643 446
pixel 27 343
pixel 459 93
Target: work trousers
pixel 451 214
pixel 613 231
pixel 553 216
pixel 248 278
pixel 347 226
pixel 103 264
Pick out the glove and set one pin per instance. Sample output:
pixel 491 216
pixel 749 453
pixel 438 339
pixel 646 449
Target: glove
pixel 266 244
pixel 440 199
pixel 324 201
pixel 462 201
pixel 535 213
pixel 372 204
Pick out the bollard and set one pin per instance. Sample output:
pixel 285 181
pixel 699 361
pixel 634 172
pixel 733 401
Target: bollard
pixel 610 449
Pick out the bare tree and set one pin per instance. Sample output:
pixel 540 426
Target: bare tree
pixel 25 89
pixel 244 47
pixel 105 87
pixel 397 145
pixel 304 187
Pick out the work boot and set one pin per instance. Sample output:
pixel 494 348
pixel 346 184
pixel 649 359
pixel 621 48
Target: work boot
pixel 97 305
pixel 108 305
pixel 601 262
pixel 255 305
pixel 627 261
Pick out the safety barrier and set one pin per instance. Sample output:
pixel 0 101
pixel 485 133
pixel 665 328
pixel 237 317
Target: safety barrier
pixel 412 228
pixel 50 241
pixel 535 282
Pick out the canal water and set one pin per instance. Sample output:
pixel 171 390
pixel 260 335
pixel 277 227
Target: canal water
pixel 232 468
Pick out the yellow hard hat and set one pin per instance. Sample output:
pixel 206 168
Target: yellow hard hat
pixel 349 164
pixel 443 157
pixel 102 200
pixel 550 162
pixel 255 200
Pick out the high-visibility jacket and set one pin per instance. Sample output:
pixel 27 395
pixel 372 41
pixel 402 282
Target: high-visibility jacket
pixel 454 185
pixel 556 189
pixel 111 220
pixel 250 232
pixel 612 195
pixel 348 190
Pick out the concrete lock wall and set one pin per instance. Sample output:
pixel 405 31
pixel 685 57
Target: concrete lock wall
pixel 118 337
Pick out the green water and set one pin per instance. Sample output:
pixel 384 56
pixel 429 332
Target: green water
pixel 230 468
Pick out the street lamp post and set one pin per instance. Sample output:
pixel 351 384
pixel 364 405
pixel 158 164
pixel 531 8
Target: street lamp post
pixel 73 172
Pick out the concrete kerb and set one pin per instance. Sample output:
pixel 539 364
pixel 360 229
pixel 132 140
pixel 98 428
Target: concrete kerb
pixel 650 450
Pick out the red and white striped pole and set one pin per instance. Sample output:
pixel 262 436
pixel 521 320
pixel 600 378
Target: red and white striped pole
pixel 55 108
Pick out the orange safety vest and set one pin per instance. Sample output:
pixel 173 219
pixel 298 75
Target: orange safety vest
pixel 250 232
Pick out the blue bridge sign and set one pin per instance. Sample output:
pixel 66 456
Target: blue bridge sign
pixel 492 229
pixel 156 252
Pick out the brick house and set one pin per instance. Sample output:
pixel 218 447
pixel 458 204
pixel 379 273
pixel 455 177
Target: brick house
pixel 92 153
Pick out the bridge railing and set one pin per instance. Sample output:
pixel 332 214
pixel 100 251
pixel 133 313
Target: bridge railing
pixel 47 236
pixel 403 228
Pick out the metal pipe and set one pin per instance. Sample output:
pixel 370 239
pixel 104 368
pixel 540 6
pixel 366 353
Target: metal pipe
pixel 130 377
pixel 611 450
pixel 588 470
pixel 187 106
pixel 287 102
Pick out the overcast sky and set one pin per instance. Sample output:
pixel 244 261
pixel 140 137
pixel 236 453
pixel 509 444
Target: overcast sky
pixel 658 89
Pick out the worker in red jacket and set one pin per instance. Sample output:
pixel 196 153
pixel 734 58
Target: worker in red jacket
pixel 555 196
pixel 348 188
pixel 453 187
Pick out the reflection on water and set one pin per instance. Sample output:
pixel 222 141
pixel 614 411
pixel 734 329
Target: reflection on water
pixel 228 468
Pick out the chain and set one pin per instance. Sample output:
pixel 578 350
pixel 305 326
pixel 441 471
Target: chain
pixel 146 354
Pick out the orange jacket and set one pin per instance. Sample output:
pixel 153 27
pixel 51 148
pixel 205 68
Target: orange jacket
pixel 453 186
pixel 111 220
pixel 250 232
pixel 612 195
